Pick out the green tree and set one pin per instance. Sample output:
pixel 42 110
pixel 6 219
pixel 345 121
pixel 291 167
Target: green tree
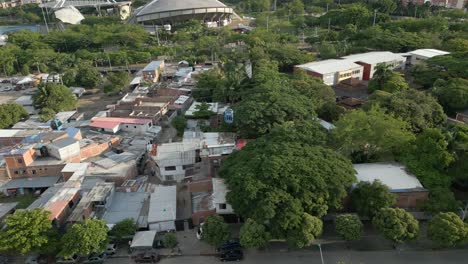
pixel 124 228
pixel 85 238
pixel 327 51
pixel 203 111
pixel 208 83
pixel 369 135
pixel 441 199
pixel 253 235
pixel 215 231
pixel 179 123
pixel 419 109
pixel 447 230
pixel 118 80
pixel 387 80
pixel 170 240
pixel 87 76
pixel 452 94
pixel 368 198
pixel 26 231
pixel 313 88
pixel 10 114
pixel 396 224
pixel 310 227
pixel 54 97
pixel 69 77
pixel 349 227
pixel 276 179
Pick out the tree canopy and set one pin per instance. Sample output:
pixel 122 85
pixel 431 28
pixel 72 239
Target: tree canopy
pixel 26 231
pixel 281 181
pixel 419 109
pixel 447 230
pixel 387 80
pixel 309 228
pixel 452 94
pixel 124 228
pixel 349 227
pixel 118 81
pixel 215 231
pixel 396 224
pixel 52 98
pixel 10 114
pixel 368 198
pixel 369 135
pixel 85 238
pixel 253 235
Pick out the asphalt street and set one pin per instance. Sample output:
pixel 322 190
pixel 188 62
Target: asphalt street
pixel 334 257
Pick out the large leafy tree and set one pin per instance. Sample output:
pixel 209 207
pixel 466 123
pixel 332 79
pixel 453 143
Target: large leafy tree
pixel 309 228
pixel 419 109
pixel 369 134
pixel 87 76
pixel 215 231
pixel 258 113
pixel 447 230
pixel 118 81
pixel 452 94
pixel 387 80
pixel 277 181
pixel 53 98
pixel 368 198
pixel 349 226
pixel 124 228
pixel 313 88
pixel 428 157
pixel 396 224
pixel 441 199
pixel 26 231
pixel 253 234
pixel 85 238
pixel 10 114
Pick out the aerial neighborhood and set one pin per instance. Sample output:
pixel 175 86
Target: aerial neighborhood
pixel 261 131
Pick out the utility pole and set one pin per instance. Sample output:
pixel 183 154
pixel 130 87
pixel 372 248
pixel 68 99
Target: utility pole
pixel 375 16
pixel 274 5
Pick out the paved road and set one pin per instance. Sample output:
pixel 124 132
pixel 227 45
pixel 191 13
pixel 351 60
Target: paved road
pixel 334 257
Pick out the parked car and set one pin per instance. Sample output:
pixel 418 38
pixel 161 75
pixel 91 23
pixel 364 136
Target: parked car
pixel 200 231
pixel 229 245
pixel 111 249
pixel 233 255
pixel 6 81
pixel 71 260
pixel 6 89
pixel 146 257
pixel 95 258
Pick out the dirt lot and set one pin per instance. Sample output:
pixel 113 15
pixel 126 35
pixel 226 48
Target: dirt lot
pixel 94 101
pixel 10 96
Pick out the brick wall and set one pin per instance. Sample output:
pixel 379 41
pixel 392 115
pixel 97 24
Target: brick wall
pixel 411 200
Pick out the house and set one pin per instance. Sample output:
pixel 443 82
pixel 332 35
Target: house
pixel 64 149
pixel 135 105
pixel 370 60
pixel 152 71
pixel 163 209
pixel 114 167
pixel 201 194
pixel 214 120
pixel 94 203
pixel 127 205
pixel 219 197
pixel 416 56
pixel 462 116
pixel 332 71
pixel 409 191
pixel 116 124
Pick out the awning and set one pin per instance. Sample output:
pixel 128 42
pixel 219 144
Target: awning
pixel 143 239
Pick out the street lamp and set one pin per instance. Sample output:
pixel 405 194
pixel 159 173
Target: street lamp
pixel 321 255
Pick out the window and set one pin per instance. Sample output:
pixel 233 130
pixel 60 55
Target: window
pixel 16 172
pixel 126 126
pixel 33 171
pixel 134 126
pixel 70 204
pixel 184 167
pixel 222 206
pixel 20 160
pixel 169 177
pixel 170 168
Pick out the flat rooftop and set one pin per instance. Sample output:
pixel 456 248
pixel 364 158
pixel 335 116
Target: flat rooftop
pixel 329 66
pixel 394 175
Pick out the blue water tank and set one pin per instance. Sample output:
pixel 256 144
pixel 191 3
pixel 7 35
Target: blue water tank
pixel 229 116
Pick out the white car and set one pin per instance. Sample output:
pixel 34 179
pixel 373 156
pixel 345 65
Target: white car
pixel 200 231
pixel 110 249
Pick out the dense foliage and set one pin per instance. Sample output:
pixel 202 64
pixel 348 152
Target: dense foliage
pixel 215 231
pixel 396 224
pixel 10 114
pixel 123 229
pixel 85 238
pixel 52 98
pixel 349 227
pixel 447 230
pixel 253 235
pixel 368 198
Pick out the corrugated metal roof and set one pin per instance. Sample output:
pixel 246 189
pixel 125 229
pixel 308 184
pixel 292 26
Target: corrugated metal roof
pixel 143 239
pixel 163 204
pixel 152 66
pixel 64 142
pixel 36 182
pixel 393 175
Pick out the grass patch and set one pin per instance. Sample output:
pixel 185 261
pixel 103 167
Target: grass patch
pixel 22 200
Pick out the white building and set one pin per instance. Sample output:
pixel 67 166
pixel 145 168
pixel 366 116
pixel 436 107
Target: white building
pixel 333 71
pixel 219 197
pixel 424 54
pixel 370 60
pixel 116 124
pixel 163 208
pixel 64 149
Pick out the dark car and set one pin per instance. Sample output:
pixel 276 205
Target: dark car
pixel 232 255
pixel 230 245
pixel 146 257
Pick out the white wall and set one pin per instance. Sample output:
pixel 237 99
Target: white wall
pixel 162 226
pixel 135 128
pixel 65 152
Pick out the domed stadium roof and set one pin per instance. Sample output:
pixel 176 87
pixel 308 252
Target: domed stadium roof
pixel 173 9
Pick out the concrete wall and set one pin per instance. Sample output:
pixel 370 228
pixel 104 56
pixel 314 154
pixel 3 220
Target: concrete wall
pixel 135 128
pixel 64 153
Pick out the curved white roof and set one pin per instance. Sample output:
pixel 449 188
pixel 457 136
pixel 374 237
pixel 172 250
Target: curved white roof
pixel 160 6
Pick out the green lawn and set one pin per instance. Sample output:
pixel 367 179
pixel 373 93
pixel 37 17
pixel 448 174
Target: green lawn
pixel 23 200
